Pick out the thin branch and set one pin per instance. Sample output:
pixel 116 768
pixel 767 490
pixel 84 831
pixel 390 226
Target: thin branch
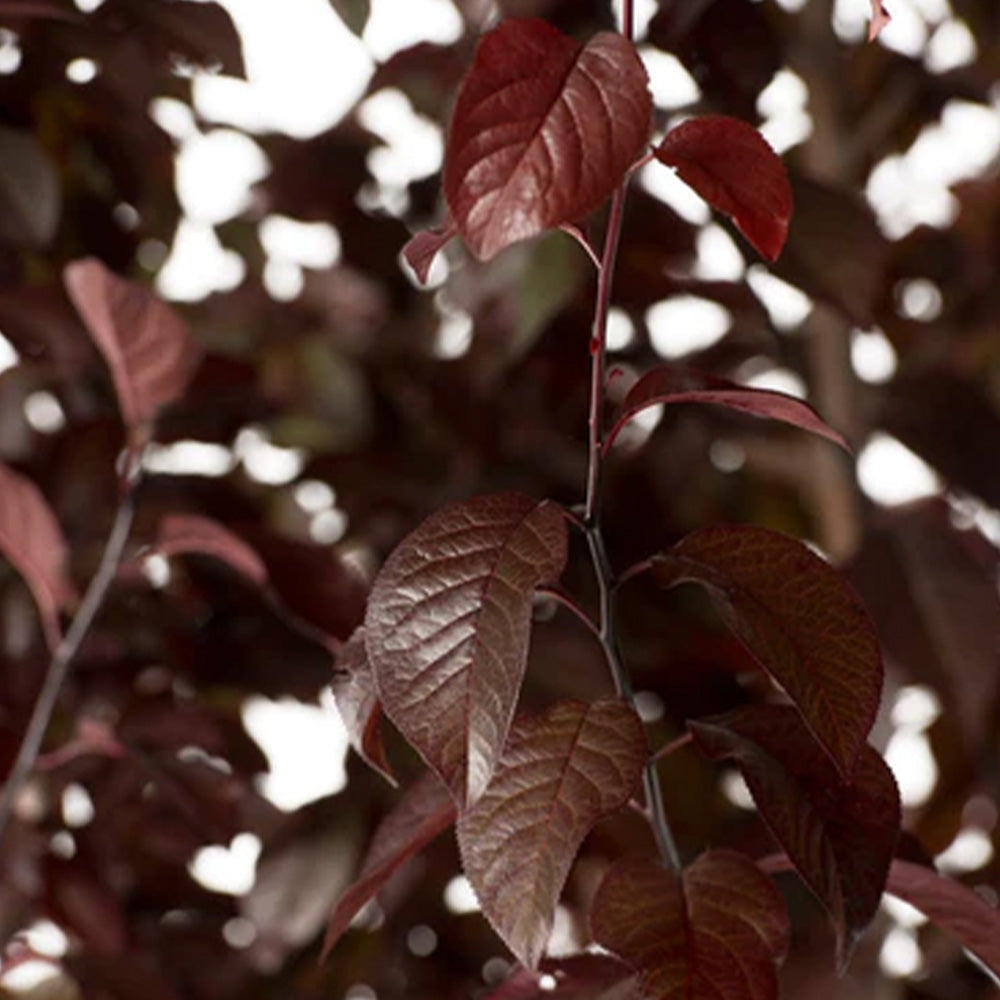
pixel 59 665
pixel 575 233
pixel 668 748
pixel 561 597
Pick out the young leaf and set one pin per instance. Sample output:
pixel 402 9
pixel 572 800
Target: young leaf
pixel 950 905
pixel 716 931
pixel 731 166
pixel 543 131
pixel 880 18
pixel 180 534
pixel 561 773
pixel 147 346
pixel 578 977
pixel 800 620
pixel 358 704
pixel 423 247
pixel 424 811
pixel 674 384
pixel 30 537
pixel 447 629
pixel 840 837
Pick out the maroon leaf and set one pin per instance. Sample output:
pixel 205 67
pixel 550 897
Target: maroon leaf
pixel 731 166
pixel 840 837
pixel 180 534
pixel 717 931
pixel 561 773
pixel 801 621
pixel 424 811
pixel 422 248
pixel 880 18
pixel 447 629
pixel 950 905
pixel 358 704
pixel 30 198
pixel 580 977
pixel 673 384
pixel 543 131
pixel 145 343
pixel 30 537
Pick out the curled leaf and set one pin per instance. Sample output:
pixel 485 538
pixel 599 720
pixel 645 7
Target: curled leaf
pixel 561 773
pixel 731 166
pixel 543 131
pixel 423 247
pixel 447 629
pixel 716 931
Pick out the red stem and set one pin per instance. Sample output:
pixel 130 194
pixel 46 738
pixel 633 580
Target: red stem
pixel 667 749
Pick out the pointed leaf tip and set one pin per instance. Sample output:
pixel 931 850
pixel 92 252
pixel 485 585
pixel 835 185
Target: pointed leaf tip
pixel 543 131
pixel 729 163
pixel 421 249
pixel 880 18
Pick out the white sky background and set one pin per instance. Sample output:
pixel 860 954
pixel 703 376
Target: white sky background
pixel 306 70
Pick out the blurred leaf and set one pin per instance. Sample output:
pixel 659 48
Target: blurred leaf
pixel 181 534
pixel 579 977
pixel 30 196
pixel 423 247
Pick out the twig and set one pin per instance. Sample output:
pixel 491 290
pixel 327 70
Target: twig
pixel 668 748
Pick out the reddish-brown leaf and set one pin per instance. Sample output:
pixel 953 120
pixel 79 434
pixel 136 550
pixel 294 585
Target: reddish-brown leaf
pixel 447 629
pixel 880 18
pixel 423 247
pixel 147 346
pixel 543 131
pixel 425 810
pixel 950 905
pixel 579 977
pixel 731 166
pixel 717 931
pixel 30 537
pixel 30 196
pixel 801 621
pixel 840 837
pixel 358 704
pixel 561 773
pixel 674 384
pixel 181 534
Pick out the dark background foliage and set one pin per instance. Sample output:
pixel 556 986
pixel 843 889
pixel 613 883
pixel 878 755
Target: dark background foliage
pixel 348 370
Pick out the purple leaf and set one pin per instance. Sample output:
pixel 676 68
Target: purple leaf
pixel 801 621
pixel 579 977
pixel 358 704
pixel 731 166
pixel 561 773
pixel 952 906
pixel 147 346
pixel 543 131
pixel 424 811
pixel 423 247
pixel 30 537
pixel 181 534
pixel 840 837
pixel 716 931
pixel 447 629
pixel 673 384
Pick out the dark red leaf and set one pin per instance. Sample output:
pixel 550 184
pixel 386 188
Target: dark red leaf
pixel 42 9
pixel 422 248
pixel 561 773
pixel 717 931
pixel 731 166
pixel 880 18
pixel 447 629
pixel 425 810
pixel 579 977
pixel 30 537
pixel 146 345
pixel 181 534
pixel 799 618
pixel 30 198
pixel 358 704
pixel 673 384
pixel 543 131
pixel 950 905
pixel 840 837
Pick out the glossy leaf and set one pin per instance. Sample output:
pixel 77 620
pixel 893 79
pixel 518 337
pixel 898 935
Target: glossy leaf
pixel 561 773
pixel 543 131
pixel 358 704
pixel 952 906
pixel 880 18
pixel 717 931
pixel 30 537
pixel 840 837
pixel 671 384
pixel 447 629
pixel 579 977
pixel 424 811
pixel 30 197
pixel 183 534
pixel 801 621
pixel 423 247
pixel 145 343
pixel 731 166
